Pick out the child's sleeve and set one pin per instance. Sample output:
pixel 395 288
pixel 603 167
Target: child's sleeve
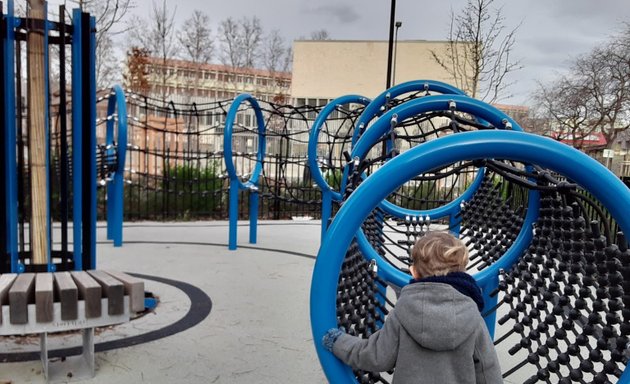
pixel 487 368
pixel 378 353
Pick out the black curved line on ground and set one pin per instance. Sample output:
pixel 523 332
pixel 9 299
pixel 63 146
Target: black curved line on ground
pixel 177 225
pixel 299 254
pixel 200 308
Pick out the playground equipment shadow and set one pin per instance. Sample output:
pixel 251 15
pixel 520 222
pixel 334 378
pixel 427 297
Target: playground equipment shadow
pixel 257 330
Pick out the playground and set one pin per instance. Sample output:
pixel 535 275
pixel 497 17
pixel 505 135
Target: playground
pixel 255 329
pixel 249 300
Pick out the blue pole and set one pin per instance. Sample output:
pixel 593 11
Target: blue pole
pixel 253 214
pixel 233 210
pixel 326 210
pixel 10 141
pixel 92 132
pixel 77 139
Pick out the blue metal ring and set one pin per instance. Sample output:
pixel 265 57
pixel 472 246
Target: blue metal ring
pixel 314 135
pixel 227 141
pixel 518 146
pixel 414 107
pixel 374 109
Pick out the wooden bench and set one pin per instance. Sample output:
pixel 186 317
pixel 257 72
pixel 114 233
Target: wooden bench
pixel 45 303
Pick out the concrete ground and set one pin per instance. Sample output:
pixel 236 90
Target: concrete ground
pixel 258 330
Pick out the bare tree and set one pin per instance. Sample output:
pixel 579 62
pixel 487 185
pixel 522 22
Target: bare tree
pixel 157 37
pixel 479 51
pixel 275 54
pixel 195 37
pixel 598 96
pixel 240 44
pixel 276 59
pixel 109 15
pixel 563 105
pixel 605 73
pixel 320 34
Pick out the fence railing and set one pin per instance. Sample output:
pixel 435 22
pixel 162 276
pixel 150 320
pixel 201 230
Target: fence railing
pixel 175 168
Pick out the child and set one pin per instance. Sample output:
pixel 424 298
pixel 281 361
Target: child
pixel 435 334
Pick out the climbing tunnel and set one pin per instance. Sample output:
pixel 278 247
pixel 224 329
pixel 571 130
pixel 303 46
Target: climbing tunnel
pixel 544 223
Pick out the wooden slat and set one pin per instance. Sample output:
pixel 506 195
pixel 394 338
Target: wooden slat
pixel 113 289
pixel 68 294
pixel 90 292
pixel 20 295
pixel 134 288
pixel 5 284
pixel 44 297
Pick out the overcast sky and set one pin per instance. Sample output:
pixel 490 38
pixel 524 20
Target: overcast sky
pixel 552 34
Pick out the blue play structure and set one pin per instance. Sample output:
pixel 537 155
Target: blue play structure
pixel 236 184
pixel 545 225
pixel 71 157
pixel 373 110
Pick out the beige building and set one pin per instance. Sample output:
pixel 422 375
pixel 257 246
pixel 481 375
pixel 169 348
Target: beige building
pixel 327 69
pixel 179 80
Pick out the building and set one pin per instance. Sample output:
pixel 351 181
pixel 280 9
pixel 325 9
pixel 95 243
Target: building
pixel 181 80
pixel 326 69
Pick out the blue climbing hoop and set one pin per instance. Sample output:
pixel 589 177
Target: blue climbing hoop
pixel 328 194
pixel 460 103
pixel 518 146
pixel 117 116
pixel 236 184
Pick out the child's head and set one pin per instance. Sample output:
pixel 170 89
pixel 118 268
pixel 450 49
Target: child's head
pixel 437 254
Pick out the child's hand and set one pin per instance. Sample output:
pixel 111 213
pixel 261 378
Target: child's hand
pixel 330 337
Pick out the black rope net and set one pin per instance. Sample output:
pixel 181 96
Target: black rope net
pixel 175 167
pixel 561 309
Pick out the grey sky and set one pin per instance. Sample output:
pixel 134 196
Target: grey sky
pixel 553 32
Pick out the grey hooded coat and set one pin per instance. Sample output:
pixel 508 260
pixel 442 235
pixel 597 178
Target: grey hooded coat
pixel 435 334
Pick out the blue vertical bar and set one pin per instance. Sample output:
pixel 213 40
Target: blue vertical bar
pixel 51 266
pixel 109 140
pixel 455 222
pixel 77 138
pixel 10 141
pixel 253 215
pixel 92 132
pixel 115 189
pixel 233 208
pixel 326 210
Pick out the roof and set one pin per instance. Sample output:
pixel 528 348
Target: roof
pixel 595 139
pixel 219 68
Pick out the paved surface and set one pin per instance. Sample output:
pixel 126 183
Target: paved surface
pixel 258 330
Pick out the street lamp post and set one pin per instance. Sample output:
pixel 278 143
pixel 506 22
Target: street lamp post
pixel 398 25
pixel 392 17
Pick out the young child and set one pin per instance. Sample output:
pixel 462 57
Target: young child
pixel 435 334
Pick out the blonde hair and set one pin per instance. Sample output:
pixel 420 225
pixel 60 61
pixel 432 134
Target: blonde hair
pixel 438 253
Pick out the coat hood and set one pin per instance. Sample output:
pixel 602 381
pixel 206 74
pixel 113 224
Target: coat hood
pixel 431 312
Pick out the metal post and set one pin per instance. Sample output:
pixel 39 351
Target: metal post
pixel 253 215
pixel 398 25
pixel 392 16
pixel 233 214
pixel 77 139
pixel 10 141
